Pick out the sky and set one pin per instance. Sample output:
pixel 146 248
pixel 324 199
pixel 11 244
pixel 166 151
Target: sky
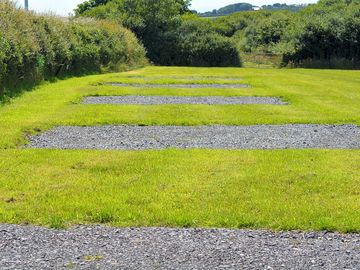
pixel 64 7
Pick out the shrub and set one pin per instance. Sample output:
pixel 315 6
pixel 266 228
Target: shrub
pixel 170 35
pixel 197 44
pixel 148 19
pixel 326 35
pixel 34 48
pixel 323 35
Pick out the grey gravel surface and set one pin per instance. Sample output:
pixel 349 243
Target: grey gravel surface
pixel 185 77
pixel 158 100
pixel 125 137
pixel 26 247
pixel 212 85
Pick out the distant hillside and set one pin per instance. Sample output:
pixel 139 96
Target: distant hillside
pixel 230 9
pixel 278 6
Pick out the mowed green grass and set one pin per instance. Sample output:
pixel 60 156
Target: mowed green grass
pixel 273 189
pixel 314 96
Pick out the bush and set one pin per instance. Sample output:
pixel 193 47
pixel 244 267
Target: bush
pixel 148 19
pixel 328 36
pixel 34 48
pixel 197 44
pixel 170 35
pixel 323 35
pixel 259 31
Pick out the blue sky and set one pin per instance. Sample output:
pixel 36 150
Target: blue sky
pixel 64 7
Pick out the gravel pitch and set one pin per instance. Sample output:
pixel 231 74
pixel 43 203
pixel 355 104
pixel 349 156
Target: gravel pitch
pixel 26 247
pixel 125 137
pixel 158 100
pixel 187 77
pixel 213 85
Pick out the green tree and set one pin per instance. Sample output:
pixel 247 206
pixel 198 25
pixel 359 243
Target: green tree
pixel 198 44
pixel 326 35
pixel 87 5
pixel 150 20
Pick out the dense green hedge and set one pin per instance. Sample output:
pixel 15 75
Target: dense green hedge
pixel 34 48
pixel 196 43
pixel 324 35
pixel 170 34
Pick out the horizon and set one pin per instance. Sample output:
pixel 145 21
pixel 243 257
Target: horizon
pixel 66 7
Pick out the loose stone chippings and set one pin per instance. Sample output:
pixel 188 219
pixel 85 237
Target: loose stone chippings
pixel 125 137
pixel 159 100
pixel 97 247
pixel 184 77
pixel 139 85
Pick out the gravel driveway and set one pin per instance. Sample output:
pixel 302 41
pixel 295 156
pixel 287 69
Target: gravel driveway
pixel 26 247
pixel 212 85
pixel 184 77
pixel 178 100
pixel 212 137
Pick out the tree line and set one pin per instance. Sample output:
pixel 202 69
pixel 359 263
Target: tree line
pixel 325 34
pixel 230 9
pixel 164 28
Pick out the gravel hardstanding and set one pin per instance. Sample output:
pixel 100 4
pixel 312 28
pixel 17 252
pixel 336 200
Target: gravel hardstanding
pixel 26 247
pixel 212 85
pixel 125 137
pixel 159 100
pixel 185 77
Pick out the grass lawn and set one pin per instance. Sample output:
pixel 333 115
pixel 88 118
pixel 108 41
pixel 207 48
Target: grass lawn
pixel 277 189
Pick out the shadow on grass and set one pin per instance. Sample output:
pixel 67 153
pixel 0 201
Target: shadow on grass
pixel 11 91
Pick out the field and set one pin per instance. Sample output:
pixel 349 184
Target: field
pixel 273 189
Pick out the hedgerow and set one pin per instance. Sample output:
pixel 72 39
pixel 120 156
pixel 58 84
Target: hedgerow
pixel 323 35
pixel 39 47
pixel 196 43
pixel 170 34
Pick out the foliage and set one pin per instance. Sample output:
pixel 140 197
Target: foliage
pixel 88 5
pixel 196 44
pixel 323 35
pixel 162 26
pixel 264 32
pixel 327 34
pixel 34 48
pixel 148 19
